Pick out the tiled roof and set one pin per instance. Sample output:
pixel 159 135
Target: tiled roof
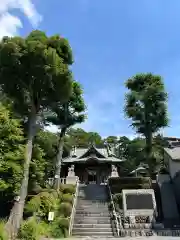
pixel 173 152
pixel 109 159
pixel 77 156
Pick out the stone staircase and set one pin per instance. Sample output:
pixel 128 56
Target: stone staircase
pixel 92 217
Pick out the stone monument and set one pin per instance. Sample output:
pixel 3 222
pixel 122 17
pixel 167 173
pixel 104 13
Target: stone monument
pixel 139 207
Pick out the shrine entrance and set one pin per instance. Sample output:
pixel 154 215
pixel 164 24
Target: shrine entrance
pixel 92 176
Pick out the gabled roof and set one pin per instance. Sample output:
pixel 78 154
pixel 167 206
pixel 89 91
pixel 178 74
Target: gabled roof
pixel 83 154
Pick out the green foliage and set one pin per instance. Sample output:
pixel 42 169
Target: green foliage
pixel 42 204
pixel 65 209
pixel 59 228
pixel 3 234
pixel 146 106
pixel 11 153
pixel 80 138
pixel 67 188
pixel 67 198
pixel 117 184
pixel 163 170
pixel 32 230
pixel 111 140
pixel 117 199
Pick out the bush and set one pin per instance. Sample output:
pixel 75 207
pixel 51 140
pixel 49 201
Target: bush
pixel 163 170
pixel 59 228
pixel 117 184
pixel 65 209
pixel 67 188
pixel 30 230
pixel 67 198
pixel 42 204
pixel 3 233
pixel 33 205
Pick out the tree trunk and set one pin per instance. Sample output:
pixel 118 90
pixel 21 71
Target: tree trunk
pixel 59 159
pixel 149 151
pixel 16 214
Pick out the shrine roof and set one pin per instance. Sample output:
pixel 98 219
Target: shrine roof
pixel 84 154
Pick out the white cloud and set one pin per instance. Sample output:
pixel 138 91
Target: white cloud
pixel 9 24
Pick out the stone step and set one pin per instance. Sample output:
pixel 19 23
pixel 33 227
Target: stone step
pixel 93 214
pixel 93 234
pixel 90 220
pixel 92 201
pixel 87 209
pixel 93 204
pixel 79 229
pixel 92 207
pixel 94 226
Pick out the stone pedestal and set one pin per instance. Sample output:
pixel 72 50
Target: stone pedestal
pixel 71 180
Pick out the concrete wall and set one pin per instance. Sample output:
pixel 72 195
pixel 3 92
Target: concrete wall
pixel 174 171
pixel 173 166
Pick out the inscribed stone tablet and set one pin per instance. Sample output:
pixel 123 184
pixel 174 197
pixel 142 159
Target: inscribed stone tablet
pixel 139 201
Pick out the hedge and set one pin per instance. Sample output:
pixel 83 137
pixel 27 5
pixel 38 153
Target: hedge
pixel 118 184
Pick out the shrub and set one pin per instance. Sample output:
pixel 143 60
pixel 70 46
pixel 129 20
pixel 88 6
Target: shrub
pixel 42 204
pixel 163 170
pixel 67 198
pixel 33 205
pixel 29 230
pixel 3 233
pixel 59 228
pixel 117 198
pixel 65 209
pixel 117 184
pixel 67 188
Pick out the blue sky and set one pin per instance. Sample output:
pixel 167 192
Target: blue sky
pixel 111 41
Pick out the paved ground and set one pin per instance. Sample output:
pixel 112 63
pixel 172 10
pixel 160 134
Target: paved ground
pixel 129 238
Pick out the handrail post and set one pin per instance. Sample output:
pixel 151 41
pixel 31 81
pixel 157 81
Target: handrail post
pixel 114 211
pixel 73 208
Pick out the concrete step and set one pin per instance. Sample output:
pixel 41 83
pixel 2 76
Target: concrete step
pixel 98 210
pixel 92 207
pixel 93 234
pixel 97 203
pixel 92 229
pixel 90 220
pixel 94 226
pixel 93 214
pixel 92 201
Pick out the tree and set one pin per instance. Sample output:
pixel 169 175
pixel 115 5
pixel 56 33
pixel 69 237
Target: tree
pixel 34 73
pixel 146 106
pixel 111 140
pixel 11 155
pixel 66 115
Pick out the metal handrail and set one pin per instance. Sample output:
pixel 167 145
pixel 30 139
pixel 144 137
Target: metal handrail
pixel 114 211
pixel 73 208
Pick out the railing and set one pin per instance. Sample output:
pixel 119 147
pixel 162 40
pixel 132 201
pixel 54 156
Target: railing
pixel 50 181
pixel 73 208
pixel 114 212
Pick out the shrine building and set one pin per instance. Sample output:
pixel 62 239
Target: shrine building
pixel 92 165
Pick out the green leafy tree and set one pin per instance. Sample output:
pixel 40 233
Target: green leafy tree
pixel 11 155
pixel 48 142
pixel 67 115
pixel 34 73
pixel 111 140
pixel 146 106
pixel 82 139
